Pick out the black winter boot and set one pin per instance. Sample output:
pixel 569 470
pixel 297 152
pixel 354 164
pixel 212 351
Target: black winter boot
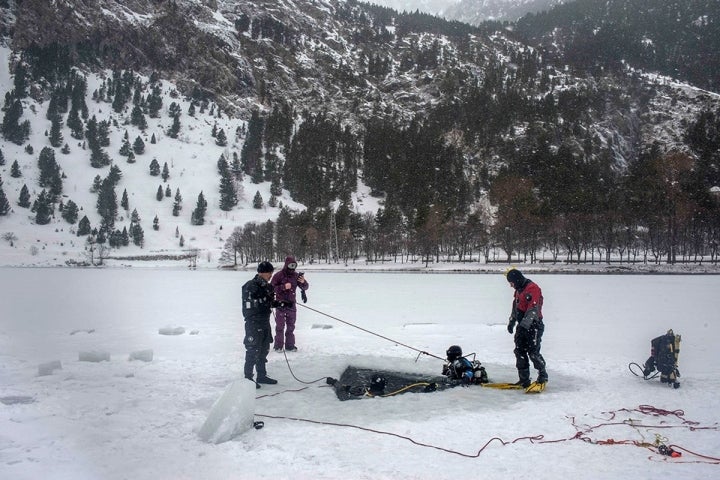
pixel 267 380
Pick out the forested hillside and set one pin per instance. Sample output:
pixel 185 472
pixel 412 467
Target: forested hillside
pixel 471 139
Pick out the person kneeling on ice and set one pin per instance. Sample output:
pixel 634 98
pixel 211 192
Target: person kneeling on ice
pixel 664 351
pixel 458 368
pixel 257 302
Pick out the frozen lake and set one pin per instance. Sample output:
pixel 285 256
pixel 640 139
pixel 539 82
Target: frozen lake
pixel 123 419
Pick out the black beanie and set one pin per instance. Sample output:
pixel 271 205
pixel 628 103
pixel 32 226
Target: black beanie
pixel 265 267
pixel 515 277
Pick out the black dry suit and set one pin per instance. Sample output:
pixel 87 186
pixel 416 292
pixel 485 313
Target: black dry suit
pixel 664 353
pixel 527 314
pixel 460 369
pixel 257 299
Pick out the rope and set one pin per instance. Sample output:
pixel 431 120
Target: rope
pixel 403 437
pixel 400 390
pixel 631 364
pixel 291 370
pixel 420 352
pixel 581 434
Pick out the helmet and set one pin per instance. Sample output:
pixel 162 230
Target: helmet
pixel 377 384
pixel 454 352
pixel 515 277
pixel 265 267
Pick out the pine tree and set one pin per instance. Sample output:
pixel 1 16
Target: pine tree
pixel 107 204
pixel 236 169
pixel 154 167
pixel 174 129
pixel 221 139
pixel 56 136
pixel 139 146
pixel 152 139
pixel 43 210
pixel 137 118
pixel 159 194
pixel 258 200
pixel 165 172
pixel 136 231
pixel 275 186
pixel 182 241
pixel 97 182
pixel 125 237
pixel 250 155
pixel 174 110
pixel 177 205
pixel 49 172
pixel 168 192
pixel 70 212
pixel 11 129
pixel 126 149
pixel 124 203
pixel 228 195
pixel 20 80
pixel 114 175
pixel 4 204
pixel 198 215
pixel 156 223
pixel 24 200
pixel 154 102
pixel 2 158
pixel 65 149
pixel 15 170
pixel 75 125
pixel 84 227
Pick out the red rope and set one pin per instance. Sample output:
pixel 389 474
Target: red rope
pixel 581 434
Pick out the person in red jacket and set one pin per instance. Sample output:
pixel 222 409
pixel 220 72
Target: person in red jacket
pixel 285 282
pixel 527 314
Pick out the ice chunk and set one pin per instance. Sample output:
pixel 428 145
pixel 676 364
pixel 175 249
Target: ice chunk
pixel 49 367
pixel 232 414
pixel 142 355
pixel 90 330
pixel 323 326
pixel 94 356
pixel 16 399
pixel 171 331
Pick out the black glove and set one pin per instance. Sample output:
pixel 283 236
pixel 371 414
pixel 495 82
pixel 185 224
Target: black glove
pixel 303 295
pixel 275 304
pixel 465 380
pixel 511 326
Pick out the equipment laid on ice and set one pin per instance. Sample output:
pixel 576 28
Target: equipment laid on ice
pixel 534 387
pixel 664 351
pixel 363 382
pixel 357 383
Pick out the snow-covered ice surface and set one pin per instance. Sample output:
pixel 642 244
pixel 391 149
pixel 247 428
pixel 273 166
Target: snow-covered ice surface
pixel 121 419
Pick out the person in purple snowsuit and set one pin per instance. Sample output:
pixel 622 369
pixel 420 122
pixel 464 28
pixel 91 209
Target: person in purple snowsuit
pixel 285 282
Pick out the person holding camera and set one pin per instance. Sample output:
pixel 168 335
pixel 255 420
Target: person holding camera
pixel 285 283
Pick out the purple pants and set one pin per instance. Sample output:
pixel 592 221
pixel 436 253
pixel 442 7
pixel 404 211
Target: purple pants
pixel 285 327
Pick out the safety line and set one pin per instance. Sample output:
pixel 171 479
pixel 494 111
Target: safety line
pixel 421 352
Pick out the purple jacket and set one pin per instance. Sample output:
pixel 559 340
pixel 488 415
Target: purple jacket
pixel 287 275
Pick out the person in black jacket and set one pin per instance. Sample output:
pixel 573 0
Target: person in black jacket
pixel 257 302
